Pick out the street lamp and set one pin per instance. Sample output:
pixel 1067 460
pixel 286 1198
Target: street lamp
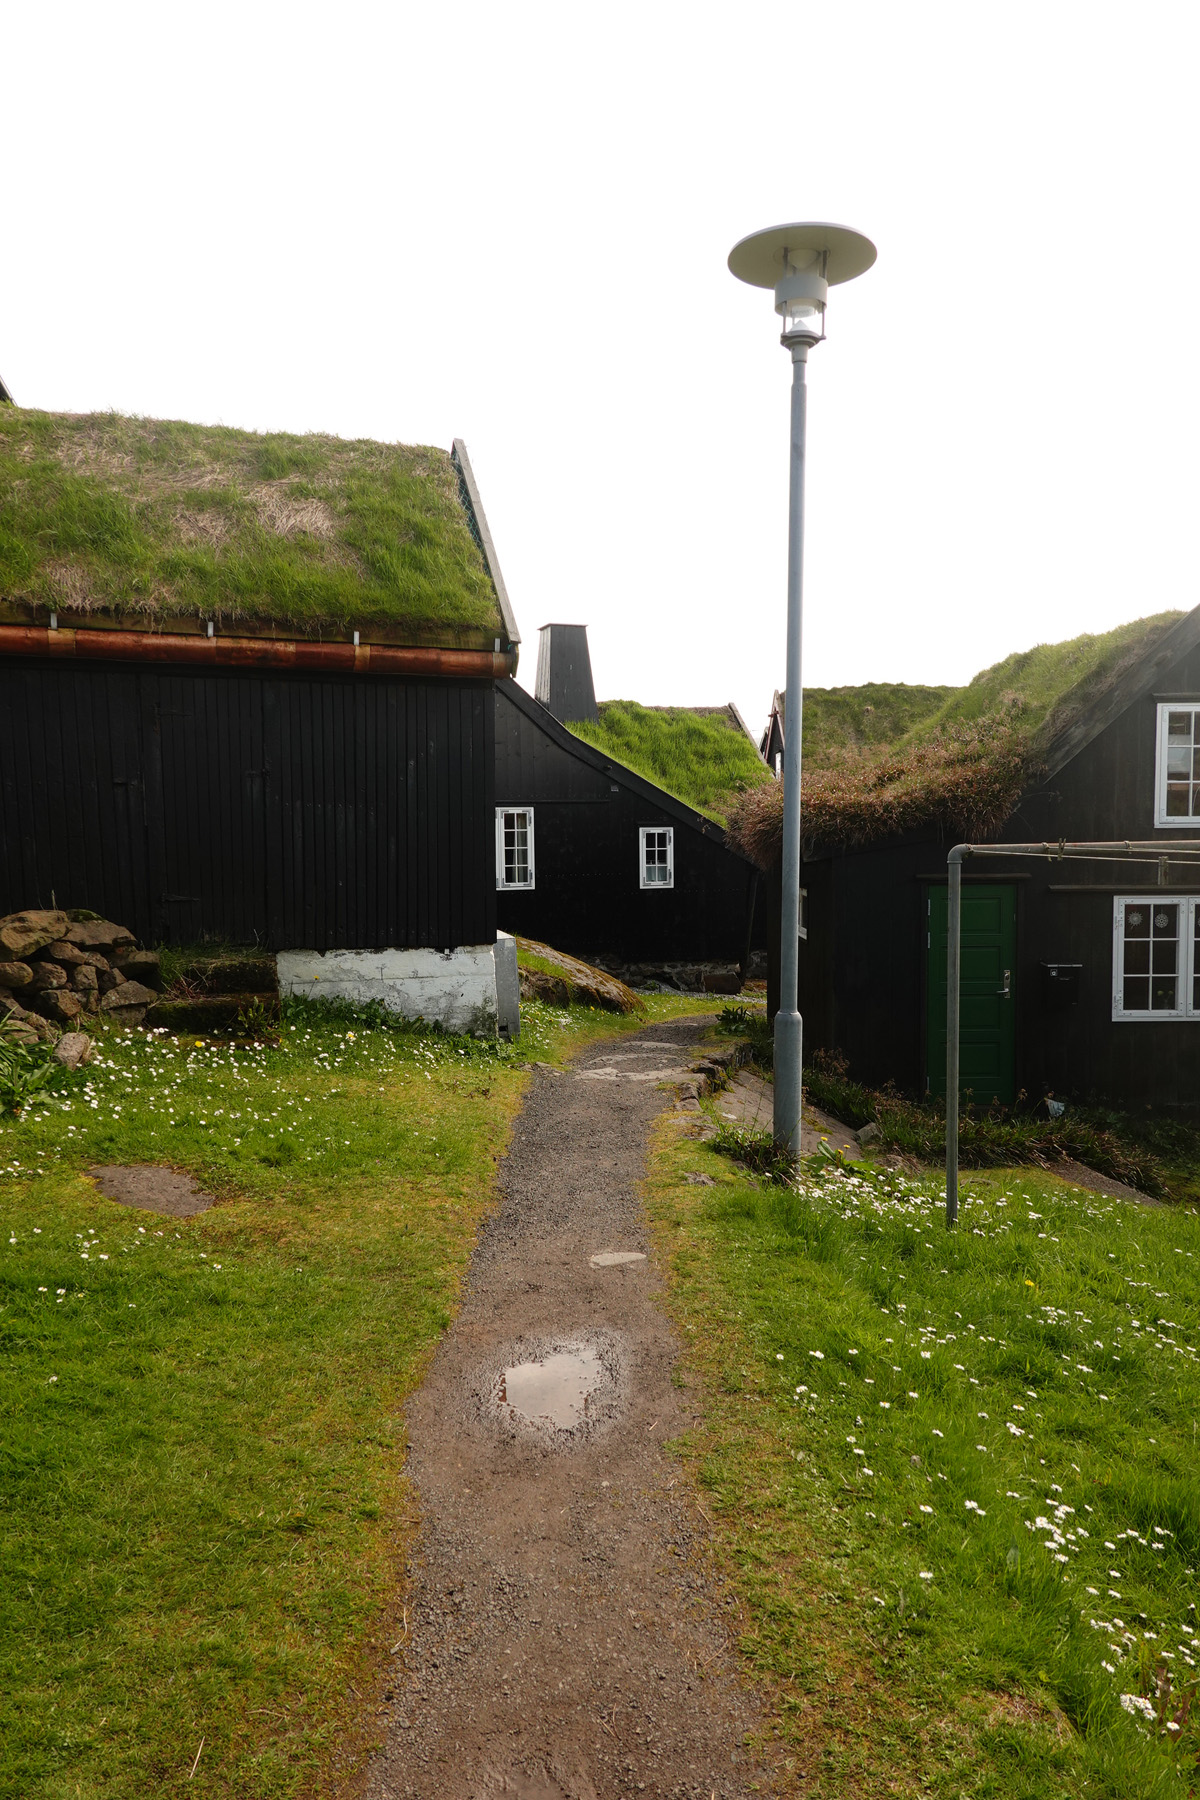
pixel 801 263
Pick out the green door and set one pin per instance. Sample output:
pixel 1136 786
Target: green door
pixel 987 1038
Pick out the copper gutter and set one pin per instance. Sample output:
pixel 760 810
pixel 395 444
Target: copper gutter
pixel 300 654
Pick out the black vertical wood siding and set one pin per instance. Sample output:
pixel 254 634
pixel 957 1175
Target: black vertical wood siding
pixel 588 898
pixel 298 812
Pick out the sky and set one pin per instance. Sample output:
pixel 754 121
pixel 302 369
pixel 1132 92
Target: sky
pixel 510 223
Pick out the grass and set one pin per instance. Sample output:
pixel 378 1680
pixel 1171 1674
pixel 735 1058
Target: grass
pixel 700 756
pixel 149 519
pixel 205 1519
pixel 855 718
pixel 952 1567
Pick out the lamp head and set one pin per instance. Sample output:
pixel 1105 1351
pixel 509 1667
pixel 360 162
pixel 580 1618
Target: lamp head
pixel 801 262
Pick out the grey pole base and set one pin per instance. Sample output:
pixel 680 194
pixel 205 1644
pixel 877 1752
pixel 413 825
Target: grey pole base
pixel 789 1096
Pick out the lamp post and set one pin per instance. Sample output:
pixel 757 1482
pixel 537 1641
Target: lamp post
pixel 801 262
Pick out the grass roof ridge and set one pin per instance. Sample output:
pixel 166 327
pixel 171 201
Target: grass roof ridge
pixel 699 759
pixel 962 768
pixel 119 515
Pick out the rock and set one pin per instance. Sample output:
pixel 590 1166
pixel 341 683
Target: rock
pixel 63 952
pixel 586 985
pixel 97 934
pixel 15 974
pixel 233 975
pixel 46 975
pixel 95 961
pixel 24 932
pixel 537 986
pixel 867 1133
pixel 56 1003
pixel 139 965
pixel 84 979
pixel 107 979
pixel 73 1048
pixel 207 1015
pixel 128 994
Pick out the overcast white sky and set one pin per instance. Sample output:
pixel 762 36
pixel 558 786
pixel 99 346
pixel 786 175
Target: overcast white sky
pixel 509 223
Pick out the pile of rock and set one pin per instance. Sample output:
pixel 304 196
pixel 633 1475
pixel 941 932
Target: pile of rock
pixel 55 967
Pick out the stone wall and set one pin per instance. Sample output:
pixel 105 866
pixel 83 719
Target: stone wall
pixel 59 968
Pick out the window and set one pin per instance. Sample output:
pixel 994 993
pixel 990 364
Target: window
pixel 514 847
pixel 657 846
pixel 1156 957
pixel 1177 766
pixel 803 912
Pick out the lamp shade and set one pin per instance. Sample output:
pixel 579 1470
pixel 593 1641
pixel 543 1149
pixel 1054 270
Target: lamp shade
pixel 764 257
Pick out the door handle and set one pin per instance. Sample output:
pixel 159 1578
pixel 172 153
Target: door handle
pixel 1005 992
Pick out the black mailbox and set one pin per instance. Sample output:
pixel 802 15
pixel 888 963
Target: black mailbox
pixel 1060 983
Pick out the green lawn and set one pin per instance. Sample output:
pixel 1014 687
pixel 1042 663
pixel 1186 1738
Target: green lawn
pixel 204 1519
pixel 954 1476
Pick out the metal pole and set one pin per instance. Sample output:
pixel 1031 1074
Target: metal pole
pixel 789 1029
pixel 954 863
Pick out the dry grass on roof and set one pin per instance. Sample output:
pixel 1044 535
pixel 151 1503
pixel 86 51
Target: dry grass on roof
pixel 959 770
pixel 152 520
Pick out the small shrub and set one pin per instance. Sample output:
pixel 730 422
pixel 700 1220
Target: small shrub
pixel 26 1070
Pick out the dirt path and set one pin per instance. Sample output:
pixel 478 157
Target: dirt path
pixel 564 1643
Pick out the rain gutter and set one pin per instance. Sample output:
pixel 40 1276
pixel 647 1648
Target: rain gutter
pixel 300 654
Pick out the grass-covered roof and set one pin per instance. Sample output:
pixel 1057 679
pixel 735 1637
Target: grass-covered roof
pixel 958 763
pixel 151 521
pixel 700 754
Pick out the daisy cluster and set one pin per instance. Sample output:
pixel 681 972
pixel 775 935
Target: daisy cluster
pixel 939 1435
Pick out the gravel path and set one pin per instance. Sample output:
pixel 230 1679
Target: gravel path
pixel 564 1640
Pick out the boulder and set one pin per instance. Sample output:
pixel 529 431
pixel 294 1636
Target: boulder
pixel 84 979
pixel 41 1029
pixel 107 979
pixel 139 965
pixel 97 934
pixel 62 952
pixel 73 1048
pixel 586 985
pixel 56 1003
pixel 24 932
pixel 130 995
pixel 46 975
pixel 95 961
pixel 15 974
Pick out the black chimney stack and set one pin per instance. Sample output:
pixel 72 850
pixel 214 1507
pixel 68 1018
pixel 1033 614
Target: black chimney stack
pixel 564 673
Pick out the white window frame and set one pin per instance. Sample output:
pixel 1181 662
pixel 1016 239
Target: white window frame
pixel 1188 963
pixel 508 812
pixel 644 832
pixel 1177 821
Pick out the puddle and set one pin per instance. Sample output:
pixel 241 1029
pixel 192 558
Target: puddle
pixel 615 1259
pixel 555 1389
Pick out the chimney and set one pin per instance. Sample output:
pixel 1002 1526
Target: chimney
pixel 564 673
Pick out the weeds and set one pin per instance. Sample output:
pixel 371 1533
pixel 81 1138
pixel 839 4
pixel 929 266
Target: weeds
pixel 26 1070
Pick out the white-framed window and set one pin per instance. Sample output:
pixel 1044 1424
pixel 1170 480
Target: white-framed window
pixel 514 847
pixel 656 855
pixel 1177 765
pixel 1156 956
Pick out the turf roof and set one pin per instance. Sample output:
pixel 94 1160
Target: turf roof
pixel 700 754
pixel 959 765
pixel 150 521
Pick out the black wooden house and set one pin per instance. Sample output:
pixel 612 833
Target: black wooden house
pixel 1080 979
pixel 261 709
pixel 598 861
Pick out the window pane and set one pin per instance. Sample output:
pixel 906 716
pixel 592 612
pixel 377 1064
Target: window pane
pixel 516 849
pixel 1179 761
pixel 1137 920
pixel 1164 959
pixel 1166 921
pixel 1137 957
pixel 1179 725
pixel 1136 996
pixel 1162 993
pixel 1178 800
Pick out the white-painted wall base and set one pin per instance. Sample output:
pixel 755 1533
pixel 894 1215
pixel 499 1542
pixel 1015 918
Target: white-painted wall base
pixel 455 989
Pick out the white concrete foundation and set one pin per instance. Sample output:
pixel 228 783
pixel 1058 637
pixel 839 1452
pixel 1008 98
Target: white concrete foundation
pixel 455 989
